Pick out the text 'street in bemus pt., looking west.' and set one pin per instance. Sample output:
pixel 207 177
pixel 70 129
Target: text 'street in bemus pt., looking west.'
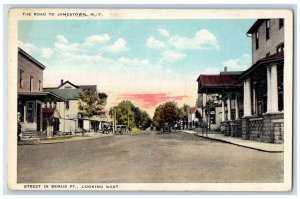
pixel 71 186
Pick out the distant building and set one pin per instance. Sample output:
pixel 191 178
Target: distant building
pixel 32 97
pixel 71 121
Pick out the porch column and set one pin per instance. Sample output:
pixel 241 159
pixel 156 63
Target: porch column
pixel 236 107
pixel 229 108
pixel 223 111
pixel 269 96
pixel 247 98
pixel 254 101
pixel 274 89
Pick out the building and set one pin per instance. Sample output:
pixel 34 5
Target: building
pixel 71 121
pixel 32 97
pixel 212 90
pixel 252 102
pixel 263 83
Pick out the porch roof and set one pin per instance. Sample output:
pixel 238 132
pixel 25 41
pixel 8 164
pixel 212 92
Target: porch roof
pixel 41 96
pixel 256 68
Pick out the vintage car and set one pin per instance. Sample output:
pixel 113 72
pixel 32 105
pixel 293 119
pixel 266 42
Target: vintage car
pixel 167 128
pixel 121 129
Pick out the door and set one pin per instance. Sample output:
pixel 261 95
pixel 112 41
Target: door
pixel 38 116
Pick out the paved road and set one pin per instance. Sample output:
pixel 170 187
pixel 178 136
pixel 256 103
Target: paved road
pixel 147 157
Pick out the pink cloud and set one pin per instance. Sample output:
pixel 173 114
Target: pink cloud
pixel 149 100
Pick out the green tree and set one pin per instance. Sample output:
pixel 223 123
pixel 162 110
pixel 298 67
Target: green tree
pixel 91 103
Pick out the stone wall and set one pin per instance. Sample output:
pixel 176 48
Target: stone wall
pixel 271 121
pixel 255 126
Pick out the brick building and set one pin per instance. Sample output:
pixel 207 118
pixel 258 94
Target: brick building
pixel 31 96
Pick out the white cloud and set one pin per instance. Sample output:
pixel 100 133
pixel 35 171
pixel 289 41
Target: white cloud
pixel 238 64
pixel 171 56
pixel 61 39
pixel 164 32
pixel 27 47
pixel 154 43
pixel 118 46
pixel 203 39
pixel 47 52
pixel 97 39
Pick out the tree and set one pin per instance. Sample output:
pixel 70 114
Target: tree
pixel 167 112
pixel 91 103
pixel 129 114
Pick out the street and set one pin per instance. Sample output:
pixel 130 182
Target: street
pixel 146 157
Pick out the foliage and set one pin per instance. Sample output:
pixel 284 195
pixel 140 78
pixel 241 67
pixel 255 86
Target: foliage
pixel 128 114
pixel 170 113
pixel 91 103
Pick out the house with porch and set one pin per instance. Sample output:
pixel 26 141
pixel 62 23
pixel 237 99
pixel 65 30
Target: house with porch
pixel 71 120
pixel 252 103
pixel 32 97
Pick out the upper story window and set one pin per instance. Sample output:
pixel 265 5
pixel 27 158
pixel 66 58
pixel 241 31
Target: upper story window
pixel 67 86
pixel 268 29
pixel 30 83
pixel 67 105
pixel 268 54
pixel 280 47
pixel 40 84
pixel 256 40
pixel 21 78
pixel 281 23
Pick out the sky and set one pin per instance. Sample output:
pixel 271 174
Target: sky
pixel 145 61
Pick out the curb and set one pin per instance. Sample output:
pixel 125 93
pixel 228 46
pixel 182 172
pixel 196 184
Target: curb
pixel 249 147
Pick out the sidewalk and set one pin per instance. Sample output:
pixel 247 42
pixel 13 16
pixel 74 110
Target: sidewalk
pixel 261 146
pixel 63 139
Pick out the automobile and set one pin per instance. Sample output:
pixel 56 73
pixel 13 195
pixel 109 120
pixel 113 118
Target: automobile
pixel 121 129
pixel 167 128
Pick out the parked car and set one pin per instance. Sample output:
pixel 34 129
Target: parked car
pixel 167 128
pixel 121 129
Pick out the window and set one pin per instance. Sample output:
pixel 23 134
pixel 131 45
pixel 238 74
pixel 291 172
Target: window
pixel 268 54
pixel 256 40
pixel 30 83
pixel 30 112
pixel 21 78
pixel 212 116
pixel 40 83
pixel 280 47
pixel 67 105
pixel 267 29
pixel 281 23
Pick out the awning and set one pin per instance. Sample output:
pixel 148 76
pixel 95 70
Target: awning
pixel 42 96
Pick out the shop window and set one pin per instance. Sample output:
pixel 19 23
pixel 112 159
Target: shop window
pixel 267 29
pixel 30 112
pixel 264 103
pixel 40 84
pixel 280 101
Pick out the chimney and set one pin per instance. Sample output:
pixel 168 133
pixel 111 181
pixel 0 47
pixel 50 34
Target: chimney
pixel 225 69
pixel 61 82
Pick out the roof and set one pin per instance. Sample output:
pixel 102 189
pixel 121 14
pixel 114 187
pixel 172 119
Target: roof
pixel 68 94
pixel 266 60
pixel 231 72
pixel 255 26
pixel 218 80
pixel 90 87
pixel 30 58
pixel 192 109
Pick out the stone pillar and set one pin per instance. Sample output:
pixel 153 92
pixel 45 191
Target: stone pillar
pixel 223 111
pixel 274 88
pixel 236 108
pixel 229 108
pixel 247 98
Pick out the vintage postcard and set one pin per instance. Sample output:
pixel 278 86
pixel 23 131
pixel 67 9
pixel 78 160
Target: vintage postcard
pixel 150 99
